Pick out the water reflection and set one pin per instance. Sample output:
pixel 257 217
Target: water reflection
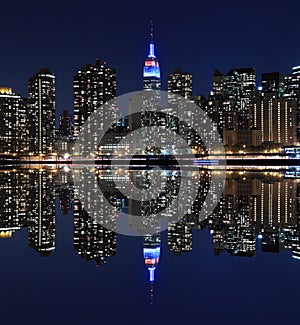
pixel 257 209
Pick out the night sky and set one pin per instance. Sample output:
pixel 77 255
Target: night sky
pixel 196 36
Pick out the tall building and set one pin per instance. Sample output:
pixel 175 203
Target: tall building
pixel 292 83
pixel 272 83
pixel 180 83
pixel 13 126
pixel 276 118
pixel 41 112
pixel 94 85
pixel 65 124
pixel 41 213
pixel 219 84
pixel 151 253
pixel 151 72
pixel 180 237
pixel 241 86
pixel 241 83
pixel 91 240
pixel 13 202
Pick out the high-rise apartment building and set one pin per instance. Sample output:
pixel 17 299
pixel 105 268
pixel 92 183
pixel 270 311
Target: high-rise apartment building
pixel 41 213
pixel 292 83
pixel 94 85
pixel 272 83
pixel 276 118
pixel 219 85
pixel 13 126
pixel 65 124
pixel 241 86
pixel 180 83
pixel 41 112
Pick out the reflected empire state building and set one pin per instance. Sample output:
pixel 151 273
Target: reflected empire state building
pixel 257 209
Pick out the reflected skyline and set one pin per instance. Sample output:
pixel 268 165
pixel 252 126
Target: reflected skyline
pixel 258 210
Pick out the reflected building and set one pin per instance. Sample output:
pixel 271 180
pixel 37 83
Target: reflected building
pixel 91 240
pixel 13 214
pixel 64 190
pixel 180 237
pixel 41 212
pixel 151 254
pixel 254 203
pixel 66 199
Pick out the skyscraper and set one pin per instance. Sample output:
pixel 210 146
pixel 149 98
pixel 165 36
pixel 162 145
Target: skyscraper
pixel 292 83
pixel 241 83
pixel 151 72
pixel 41 112
pixel 180 83
pixel 241 86
pixel 218 85
pixel 272 83
pixel 65 124
pixel 41 213
pixel 13 129
pixel 276 118
pixel 94 85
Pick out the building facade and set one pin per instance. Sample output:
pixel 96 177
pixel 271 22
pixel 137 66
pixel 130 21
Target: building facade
pixel 94 85
pixel 276 118
pixel 13 126
pixel 180 83
pixel 41 112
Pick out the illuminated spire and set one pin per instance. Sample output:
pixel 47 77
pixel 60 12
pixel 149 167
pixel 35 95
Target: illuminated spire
pixel 151 46
pixel 151 273
pixel 151 72
pixel 151 31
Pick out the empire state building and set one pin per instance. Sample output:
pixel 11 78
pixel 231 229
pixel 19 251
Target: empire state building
pixel 151 73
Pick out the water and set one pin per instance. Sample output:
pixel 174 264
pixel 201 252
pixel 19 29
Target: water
pixel 60 266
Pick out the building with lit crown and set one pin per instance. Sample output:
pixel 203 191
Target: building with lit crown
pixel 41 112
pixel 151 72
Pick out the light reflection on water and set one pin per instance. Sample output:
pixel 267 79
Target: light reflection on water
pixel 258 212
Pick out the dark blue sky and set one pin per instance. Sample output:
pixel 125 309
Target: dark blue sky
pixel 197 36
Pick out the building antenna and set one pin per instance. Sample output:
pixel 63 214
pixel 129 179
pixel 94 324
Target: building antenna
pixel 151 31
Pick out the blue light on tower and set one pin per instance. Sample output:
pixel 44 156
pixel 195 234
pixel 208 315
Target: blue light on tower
pixel 151 72
pixel 151 258
pixel 151 51
pixel 151 273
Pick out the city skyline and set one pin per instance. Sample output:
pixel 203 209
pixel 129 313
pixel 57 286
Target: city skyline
pixel 259 84
pixel 192 42
pixel 150 162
